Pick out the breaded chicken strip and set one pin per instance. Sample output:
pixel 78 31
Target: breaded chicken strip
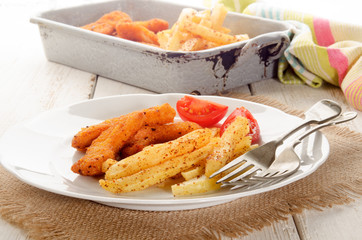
pixel 155 25
pixel 153 116
pixel 136 32
pixel 157 134
pixel 107 23
pixel 108 144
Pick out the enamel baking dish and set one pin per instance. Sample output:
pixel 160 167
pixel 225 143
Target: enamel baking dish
pixel 205 72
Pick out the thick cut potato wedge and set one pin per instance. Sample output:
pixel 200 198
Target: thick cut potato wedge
pixel 157 174
pixel 196 185
pixel 194 172
pixel 156 154
pixel 218 16
pixel 107 164
pixel 224 152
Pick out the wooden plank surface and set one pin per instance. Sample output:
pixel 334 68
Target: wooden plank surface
pixel 29 83
pixel 339 222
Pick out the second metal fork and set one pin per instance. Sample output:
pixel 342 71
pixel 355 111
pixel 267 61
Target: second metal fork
pixel 287 162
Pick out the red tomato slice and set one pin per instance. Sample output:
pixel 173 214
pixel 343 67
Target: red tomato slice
pixel 254 126
pixel 200 111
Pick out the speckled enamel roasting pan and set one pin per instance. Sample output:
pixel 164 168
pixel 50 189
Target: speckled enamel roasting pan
pixel 206 72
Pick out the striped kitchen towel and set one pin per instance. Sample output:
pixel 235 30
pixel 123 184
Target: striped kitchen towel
pixel 320 50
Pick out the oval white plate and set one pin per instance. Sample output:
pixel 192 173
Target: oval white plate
pixel 39 151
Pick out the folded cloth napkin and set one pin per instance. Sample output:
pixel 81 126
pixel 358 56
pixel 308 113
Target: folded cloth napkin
pixel 320 49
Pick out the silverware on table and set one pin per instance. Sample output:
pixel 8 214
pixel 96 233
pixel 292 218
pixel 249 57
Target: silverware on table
pixel 287 162
pixel 262 157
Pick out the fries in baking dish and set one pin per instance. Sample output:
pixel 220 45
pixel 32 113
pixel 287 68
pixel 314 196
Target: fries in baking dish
pixel 201 30
pixel 193 31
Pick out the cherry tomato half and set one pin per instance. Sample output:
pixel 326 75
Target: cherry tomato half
pixel 202 112
pixel 253 124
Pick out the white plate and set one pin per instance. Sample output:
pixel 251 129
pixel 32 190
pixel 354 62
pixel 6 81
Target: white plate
pixel 39 151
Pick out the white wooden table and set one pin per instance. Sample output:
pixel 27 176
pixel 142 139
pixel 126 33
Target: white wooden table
pixel 31 85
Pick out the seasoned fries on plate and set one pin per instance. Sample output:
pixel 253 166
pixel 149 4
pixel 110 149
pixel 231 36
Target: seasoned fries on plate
pixel 158 149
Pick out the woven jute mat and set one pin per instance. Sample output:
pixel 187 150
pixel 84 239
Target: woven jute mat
pixel 45 215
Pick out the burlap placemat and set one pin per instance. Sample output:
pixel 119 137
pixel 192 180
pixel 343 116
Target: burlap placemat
pixel 45 215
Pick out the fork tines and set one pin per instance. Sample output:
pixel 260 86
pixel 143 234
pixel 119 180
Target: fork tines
pixel 236 173
pixel 228 166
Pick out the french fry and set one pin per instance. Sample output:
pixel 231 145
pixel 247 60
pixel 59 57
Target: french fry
pixel 194 172
pixel 166 185
pixel 153 116
pixel 243 146
pixel 192 44
pixel 107 164
pixel 218 16
pixel 196 185
pixel 174 42
pixel 163 37
pixel 224 152
pixel 209 34
pixel 201 30
pixel 158 173
pixel 156 154
pixel 203 18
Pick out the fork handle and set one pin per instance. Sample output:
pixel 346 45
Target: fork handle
pixel 320 112
pixel 280 140
pixel 345 117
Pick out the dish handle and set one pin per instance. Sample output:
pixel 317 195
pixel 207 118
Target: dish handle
pixel 269 47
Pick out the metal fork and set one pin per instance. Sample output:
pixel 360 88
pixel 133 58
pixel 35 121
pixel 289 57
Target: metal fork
pixel 262 157
pixel 287 162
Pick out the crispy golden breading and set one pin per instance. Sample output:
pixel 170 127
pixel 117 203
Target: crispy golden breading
pixel 148 135
pixel 120 24
pixel 136 32
pixel 108 144
pixel 104 28
pixel 107 23
pixel 153 116
pixel 155 25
